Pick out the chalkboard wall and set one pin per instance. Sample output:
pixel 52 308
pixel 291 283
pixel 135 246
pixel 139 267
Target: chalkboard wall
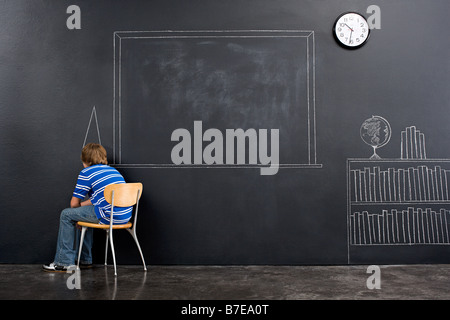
pixel 136 71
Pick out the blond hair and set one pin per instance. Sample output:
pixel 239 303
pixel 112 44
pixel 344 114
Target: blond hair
pixel 93 153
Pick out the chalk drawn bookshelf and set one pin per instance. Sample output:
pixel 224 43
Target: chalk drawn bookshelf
pixel 398 202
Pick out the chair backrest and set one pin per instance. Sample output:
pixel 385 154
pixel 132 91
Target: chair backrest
pixel 125 194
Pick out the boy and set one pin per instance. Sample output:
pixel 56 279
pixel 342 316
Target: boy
pixel 91 182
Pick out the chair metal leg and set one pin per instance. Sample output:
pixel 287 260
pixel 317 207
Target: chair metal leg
pixel 133 234
pixel 113 254
pixel 83 231
pixel 106 247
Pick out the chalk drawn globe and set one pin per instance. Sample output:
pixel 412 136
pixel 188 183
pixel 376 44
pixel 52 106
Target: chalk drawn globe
pixel 376 132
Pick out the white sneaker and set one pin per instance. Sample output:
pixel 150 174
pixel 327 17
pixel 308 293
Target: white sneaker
pixel 52 267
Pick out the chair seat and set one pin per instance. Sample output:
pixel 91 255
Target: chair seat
pixel 104 226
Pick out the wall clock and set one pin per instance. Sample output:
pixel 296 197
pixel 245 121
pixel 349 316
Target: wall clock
pixel 351 30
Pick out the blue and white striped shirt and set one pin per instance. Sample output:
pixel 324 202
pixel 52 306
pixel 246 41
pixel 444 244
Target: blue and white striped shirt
pixel 92 182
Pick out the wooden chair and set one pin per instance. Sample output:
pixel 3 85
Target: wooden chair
pixel 118 195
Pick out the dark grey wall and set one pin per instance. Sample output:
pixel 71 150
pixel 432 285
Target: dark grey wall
pixel 51 77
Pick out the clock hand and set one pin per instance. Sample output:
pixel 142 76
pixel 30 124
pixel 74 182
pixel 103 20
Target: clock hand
pixel 348 27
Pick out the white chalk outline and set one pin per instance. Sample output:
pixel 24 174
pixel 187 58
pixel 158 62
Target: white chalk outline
pixel 418 226
pixel 117 86
pixel 93 114
pixel 388 205
pixel 412 144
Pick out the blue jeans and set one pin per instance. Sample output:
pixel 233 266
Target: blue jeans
pixel 68 236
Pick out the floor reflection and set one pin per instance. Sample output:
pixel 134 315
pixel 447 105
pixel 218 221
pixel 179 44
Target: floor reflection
pixel 130 283
pixel 29 282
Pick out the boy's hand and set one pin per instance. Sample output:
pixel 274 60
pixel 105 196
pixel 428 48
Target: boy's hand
pixel 76 202
pixel 86 203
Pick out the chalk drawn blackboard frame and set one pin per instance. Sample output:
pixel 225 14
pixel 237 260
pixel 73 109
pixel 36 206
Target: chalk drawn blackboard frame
pixel 119 36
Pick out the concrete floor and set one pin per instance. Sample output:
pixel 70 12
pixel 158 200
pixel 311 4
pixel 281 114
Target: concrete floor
pixel 399 282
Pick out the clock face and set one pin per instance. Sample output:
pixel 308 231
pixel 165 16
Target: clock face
pixel 351 30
